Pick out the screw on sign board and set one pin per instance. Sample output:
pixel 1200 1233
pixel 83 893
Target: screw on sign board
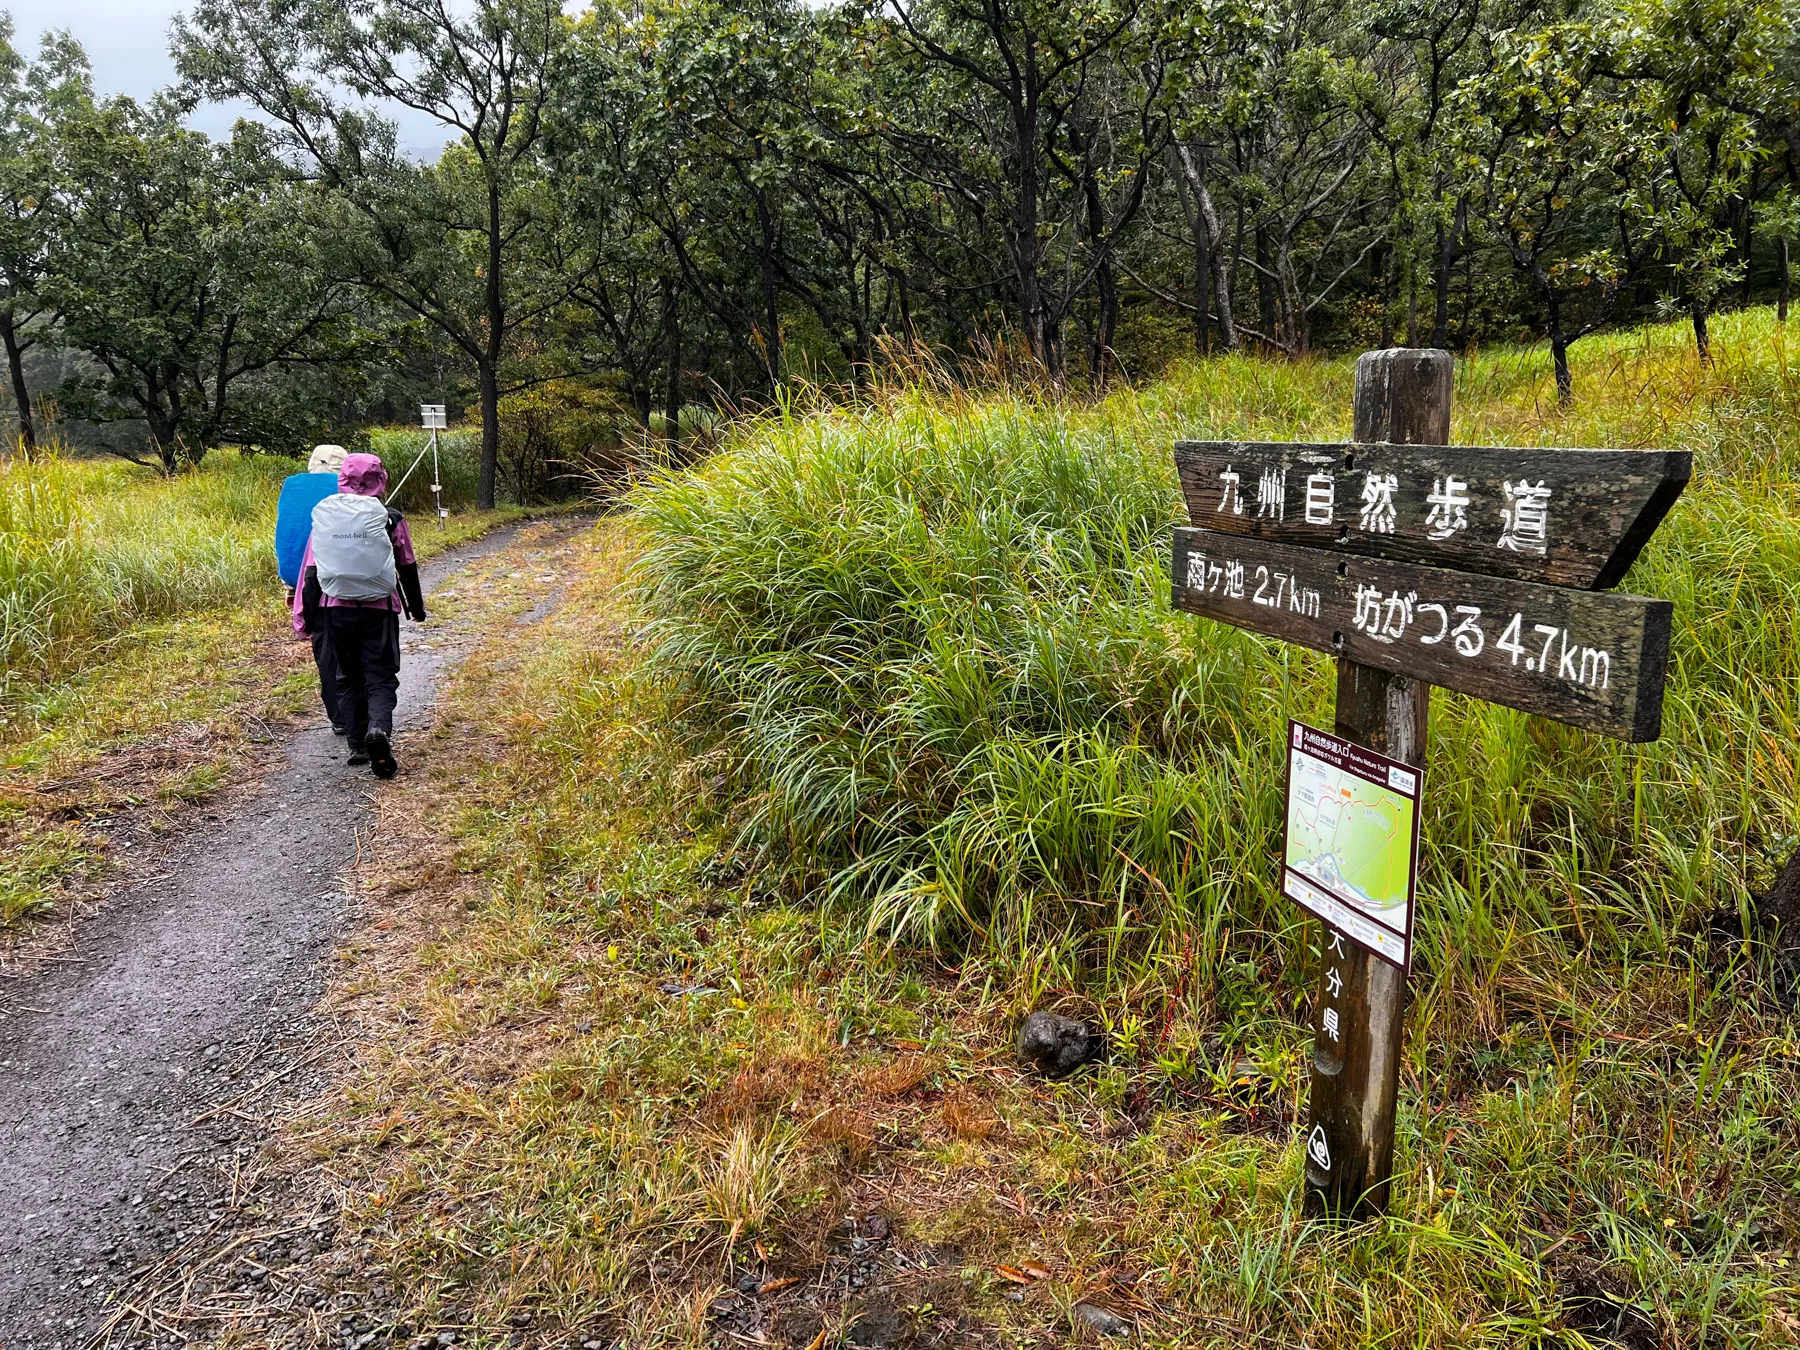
pixel 1480 569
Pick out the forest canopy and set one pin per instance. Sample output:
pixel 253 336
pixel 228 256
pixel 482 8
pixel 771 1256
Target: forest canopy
pixel 675 203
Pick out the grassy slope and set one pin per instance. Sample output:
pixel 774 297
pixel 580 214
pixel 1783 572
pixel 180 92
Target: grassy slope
pixel 1597 1135
pixel 145 647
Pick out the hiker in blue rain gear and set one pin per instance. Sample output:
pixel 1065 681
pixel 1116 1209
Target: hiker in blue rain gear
pixel 301 492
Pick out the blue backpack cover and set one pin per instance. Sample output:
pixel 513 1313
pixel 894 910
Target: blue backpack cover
pixel 300 492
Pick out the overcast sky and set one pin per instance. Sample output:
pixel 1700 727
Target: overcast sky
pixel 128 43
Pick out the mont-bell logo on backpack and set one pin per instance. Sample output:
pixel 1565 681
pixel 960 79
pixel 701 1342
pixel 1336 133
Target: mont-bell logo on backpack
pixel 352 548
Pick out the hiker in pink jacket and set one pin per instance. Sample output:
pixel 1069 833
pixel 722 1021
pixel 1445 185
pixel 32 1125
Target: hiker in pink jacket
pixel 364 633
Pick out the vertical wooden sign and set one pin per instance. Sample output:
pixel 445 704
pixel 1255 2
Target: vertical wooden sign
pixel 1402 397
pixel 1416 563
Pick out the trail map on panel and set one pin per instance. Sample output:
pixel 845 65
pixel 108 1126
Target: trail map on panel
pixel 1352 832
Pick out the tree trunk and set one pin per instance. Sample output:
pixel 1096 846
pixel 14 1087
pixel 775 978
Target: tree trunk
pixel 1412 301
pixel 1465 328
pixel 1559 340
pixel 1106 324
pixel 163 434
pixel 1384 266
pixel 1202 287
pixel 1225 272
pixel 1781 299
pixel 1027 249
pixel 15 368
pixel 1265 288
pixel 494 309
pixel 1293 307
pixel 1447 241
pixel 1202 234
pixel 672 388
pixel 1702 339
pixel 771 311
pixel 1210 251
pixel 489 383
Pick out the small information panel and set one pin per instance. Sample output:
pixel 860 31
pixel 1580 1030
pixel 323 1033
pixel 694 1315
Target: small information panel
pixel 1351 856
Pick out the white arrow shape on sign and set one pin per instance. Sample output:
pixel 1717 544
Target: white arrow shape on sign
pixel 1317 1149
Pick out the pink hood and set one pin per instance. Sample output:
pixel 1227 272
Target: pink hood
pixel 363 475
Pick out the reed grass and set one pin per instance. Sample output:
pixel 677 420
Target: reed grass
pixel 89 549
pixel 933 638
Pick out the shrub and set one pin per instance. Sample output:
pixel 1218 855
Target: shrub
pixel 556 437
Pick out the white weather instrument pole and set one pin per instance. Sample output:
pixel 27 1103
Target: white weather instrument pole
pixel 431 417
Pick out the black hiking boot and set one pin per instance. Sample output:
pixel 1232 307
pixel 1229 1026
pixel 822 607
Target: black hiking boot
pixel 336 730
pixel 359 753
pixel 381 755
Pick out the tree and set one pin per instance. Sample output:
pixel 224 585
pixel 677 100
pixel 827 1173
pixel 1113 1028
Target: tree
pixel 459 244
pixel 1426 45
pixel 188 269
pixel 33 98
pixel 1693 69
pixel 991 92
pixel 1540 132
pixel 1780 223
pixel 1271 164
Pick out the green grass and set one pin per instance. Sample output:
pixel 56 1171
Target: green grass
pixel 909 673
pixel 92 548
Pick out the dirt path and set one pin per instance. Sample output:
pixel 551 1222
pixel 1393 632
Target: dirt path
pixel 128 1081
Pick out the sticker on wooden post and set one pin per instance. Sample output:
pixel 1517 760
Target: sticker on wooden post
pixel 1351 854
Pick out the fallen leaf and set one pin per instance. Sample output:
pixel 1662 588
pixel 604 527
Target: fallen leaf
pixel 1012 1273
pixel 1036 1269
pixel 773 1285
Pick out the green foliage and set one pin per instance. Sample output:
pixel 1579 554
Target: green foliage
pixel 199 281
pixel 469 245
pixel 935 643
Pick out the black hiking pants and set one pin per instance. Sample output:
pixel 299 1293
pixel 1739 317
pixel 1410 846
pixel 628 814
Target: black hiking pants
pixel 366 643
pixel 326 661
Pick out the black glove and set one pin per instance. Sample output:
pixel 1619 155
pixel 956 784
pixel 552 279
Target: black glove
pixel 411 596
pixel 312 602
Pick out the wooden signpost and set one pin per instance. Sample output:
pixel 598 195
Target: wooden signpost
pixel 1417 563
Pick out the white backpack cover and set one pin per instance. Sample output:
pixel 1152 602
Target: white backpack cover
pixel 352 549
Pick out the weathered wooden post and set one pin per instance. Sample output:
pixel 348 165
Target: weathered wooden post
pixel 1414 563
pixel 1402 397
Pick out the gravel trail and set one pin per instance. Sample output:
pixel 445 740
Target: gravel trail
pixel 128 1078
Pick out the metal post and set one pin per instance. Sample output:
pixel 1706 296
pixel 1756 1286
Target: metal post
pixel 437 481
pixel 1403 396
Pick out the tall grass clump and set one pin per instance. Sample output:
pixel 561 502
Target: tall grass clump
pixel 933 639
pixel 88 549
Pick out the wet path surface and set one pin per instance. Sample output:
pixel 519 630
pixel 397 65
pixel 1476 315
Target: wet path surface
pixel 127 1076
